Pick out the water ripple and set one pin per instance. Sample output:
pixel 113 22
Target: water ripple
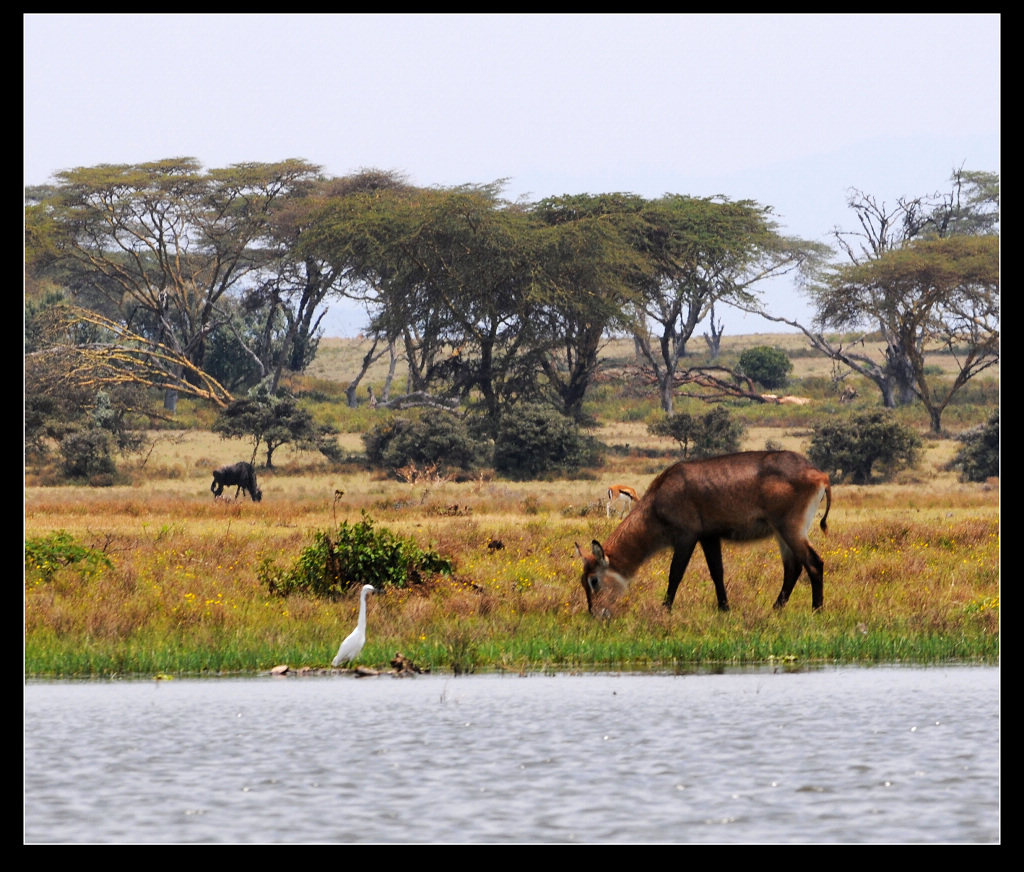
pixel 843 755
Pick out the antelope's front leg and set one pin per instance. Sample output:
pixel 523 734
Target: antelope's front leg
pixel 680 560
pixel 712 548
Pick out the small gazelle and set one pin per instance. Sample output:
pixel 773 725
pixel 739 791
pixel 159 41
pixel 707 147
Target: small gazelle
pixel 620 492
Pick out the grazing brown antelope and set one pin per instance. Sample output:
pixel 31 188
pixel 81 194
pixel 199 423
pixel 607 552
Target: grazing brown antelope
pixel 620 492
pixel 742 497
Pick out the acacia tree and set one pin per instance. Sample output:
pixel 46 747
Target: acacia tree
pixel 164 242
pixel 303 276
pixel 470 263
pixel 582 287
pixel 702 251
pixel 270 420
pixel 963 320
pixel 447 275
pixel 487 299
pixel 352 234
pixel 79 350
pixel 969 208
pixel 930 293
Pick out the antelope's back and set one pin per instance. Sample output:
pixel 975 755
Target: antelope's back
pixel 730 487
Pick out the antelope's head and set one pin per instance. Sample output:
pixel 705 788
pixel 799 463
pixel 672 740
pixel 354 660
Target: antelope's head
pixel 598 575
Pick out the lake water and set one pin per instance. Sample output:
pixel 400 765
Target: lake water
pixel 852 755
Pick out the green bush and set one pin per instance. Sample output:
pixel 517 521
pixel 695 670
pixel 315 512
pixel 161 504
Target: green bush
pixel 49 419
pixel 228 360
pixel 356 554
pixel 87 428
pixel 853 449
pixel 87 454
pixel 44 555
pixel 536 440
pixel 270 420
pixel 111 413
pixel 767 366
pixel 978 459
pixel 701 435
pixel 438 439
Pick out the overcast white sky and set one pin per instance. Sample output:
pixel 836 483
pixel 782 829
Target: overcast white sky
pixel 788 110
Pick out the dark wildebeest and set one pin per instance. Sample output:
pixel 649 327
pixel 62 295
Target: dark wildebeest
pixel 744 496
pixel 242 475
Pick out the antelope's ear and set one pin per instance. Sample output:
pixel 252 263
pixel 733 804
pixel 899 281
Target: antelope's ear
pixel 595 546
pixel 579 551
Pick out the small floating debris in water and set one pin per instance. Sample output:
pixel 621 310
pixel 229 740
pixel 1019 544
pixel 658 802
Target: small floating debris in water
pixel 404 666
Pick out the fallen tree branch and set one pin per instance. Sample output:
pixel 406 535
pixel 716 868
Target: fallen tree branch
pixel 714 387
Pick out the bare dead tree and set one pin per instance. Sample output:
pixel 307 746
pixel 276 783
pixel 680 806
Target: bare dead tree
pixel 714 341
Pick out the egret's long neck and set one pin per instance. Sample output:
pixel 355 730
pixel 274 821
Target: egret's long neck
pixel 362 607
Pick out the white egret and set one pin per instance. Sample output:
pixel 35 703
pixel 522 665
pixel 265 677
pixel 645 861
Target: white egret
pixel 355 640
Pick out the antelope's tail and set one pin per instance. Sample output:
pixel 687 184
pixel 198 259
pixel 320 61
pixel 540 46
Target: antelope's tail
pixel 828 505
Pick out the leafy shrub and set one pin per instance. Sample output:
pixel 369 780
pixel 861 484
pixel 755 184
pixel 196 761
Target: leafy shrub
pixel 44 555
pixel 701 435
pixel 978 458
pixel 852 449
pixel 767 366
pixel 86 426
pixel 326 441
pixel 228 361
pixel 111 413
pixel 536 440
pixel 270 420
pixel 355 555
pixel 45 419
pixel 438 439
pixel 87 454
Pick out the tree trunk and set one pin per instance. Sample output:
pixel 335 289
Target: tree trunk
pixel 888 392
pixel 900 371
pixel 666 388
pixel 368 358
pixel 392 365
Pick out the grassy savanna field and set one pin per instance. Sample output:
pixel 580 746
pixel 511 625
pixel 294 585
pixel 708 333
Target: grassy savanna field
pixel 911 566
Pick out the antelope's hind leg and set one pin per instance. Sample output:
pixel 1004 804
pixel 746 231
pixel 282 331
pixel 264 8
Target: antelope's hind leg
pixel 790 573
pixel 816 573
pixel 793 562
